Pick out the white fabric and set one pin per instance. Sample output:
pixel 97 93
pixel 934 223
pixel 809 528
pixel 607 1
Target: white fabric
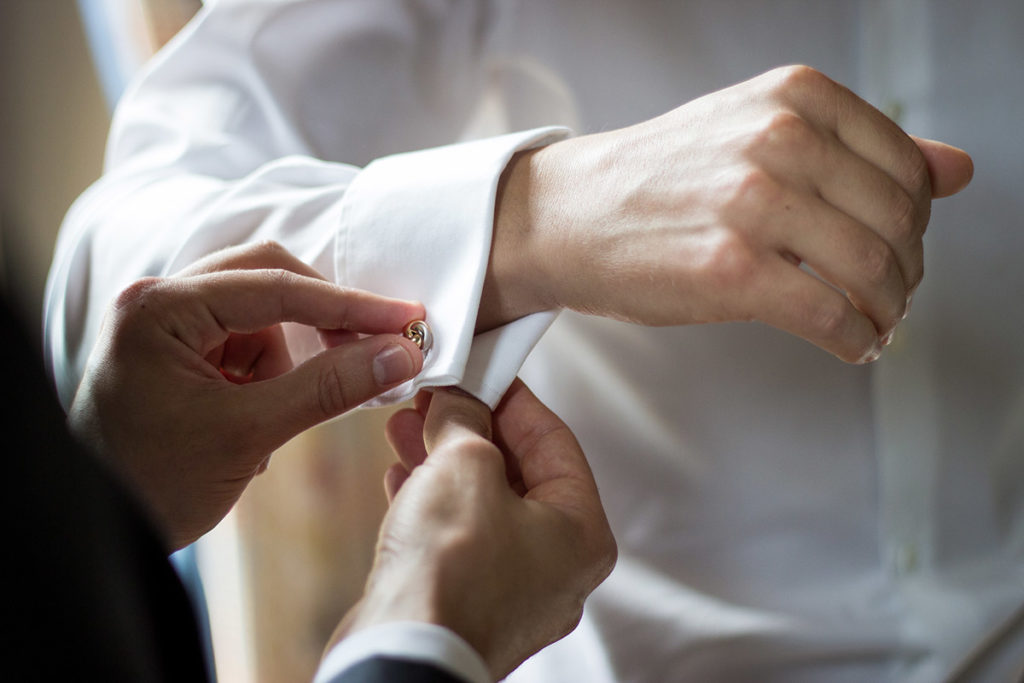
pixel 215 148
pixel 414 641
pixel 781 516
pixel 438 204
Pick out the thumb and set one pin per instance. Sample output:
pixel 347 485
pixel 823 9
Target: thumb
pixel 545 447
pixel 453 416
pixel 329 384
pixel 950 168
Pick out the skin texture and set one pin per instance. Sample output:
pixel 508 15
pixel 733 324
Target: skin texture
pixel 706 214
pixel 190 387
pixel 503 510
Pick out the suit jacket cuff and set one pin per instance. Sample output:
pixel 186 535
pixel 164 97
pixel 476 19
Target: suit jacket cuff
pixel 413 641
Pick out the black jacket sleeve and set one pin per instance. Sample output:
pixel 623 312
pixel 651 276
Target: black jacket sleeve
pixel 389 669
pixel 88 592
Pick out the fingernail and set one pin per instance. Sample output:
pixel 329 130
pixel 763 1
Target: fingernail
pixel 887 339
pixel 392 364
pixel 872 355
pixel 906 311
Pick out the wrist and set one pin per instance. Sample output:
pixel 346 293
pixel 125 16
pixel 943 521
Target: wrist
pixel 418 597
pixel 519 279
pixel 392 598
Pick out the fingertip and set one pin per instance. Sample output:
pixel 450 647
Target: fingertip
pixel 872 354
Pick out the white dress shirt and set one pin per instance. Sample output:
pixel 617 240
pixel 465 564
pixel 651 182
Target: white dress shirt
pixel 409 640
pixel 781 516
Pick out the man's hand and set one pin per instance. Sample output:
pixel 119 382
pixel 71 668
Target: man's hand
pixel 499 541
pixel 190 387
pixel 706 213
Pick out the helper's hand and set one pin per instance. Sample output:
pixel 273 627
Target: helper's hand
pixel 190 388
pixel 499 541
pixel 705 214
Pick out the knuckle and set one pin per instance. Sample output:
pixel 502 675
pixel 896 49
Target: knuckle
pixel 915 171
pixel 799 77
pixel 471 451
pixel 470 425
pixel 269 248
pixel 878 263
pixel 460 414
pixel 280 276
pixel 730 262
pixel 831 319
pixel 787 130
pixel 809 91
pixel 472 446
pixel 280 281
pixel 333 395
pixel 905 218
pixel 139 294
pixel 755 190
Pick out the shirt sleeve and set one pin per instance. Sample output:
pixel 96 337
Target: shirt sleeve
pixel 260 122
pixel 413 641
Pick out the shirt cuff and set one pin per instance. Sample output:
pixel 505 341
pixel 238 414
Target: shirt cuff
pixel 410 640
pixel 418 226
pixel 498 354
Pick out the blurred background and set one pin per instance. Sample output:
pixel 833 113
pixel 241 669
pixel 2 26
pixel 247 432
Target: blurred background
pixel 53 124
pixel 283 568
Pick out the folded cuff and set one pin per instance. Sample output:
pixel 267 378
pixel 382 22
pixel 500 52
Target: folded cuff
pixel 418 226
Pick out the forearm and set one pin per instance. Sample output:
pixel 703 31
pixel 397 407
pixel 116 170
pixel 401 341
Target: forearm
pixel 120 231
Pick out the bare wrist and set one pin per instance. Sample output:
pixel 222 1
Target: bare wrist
pixel 518 280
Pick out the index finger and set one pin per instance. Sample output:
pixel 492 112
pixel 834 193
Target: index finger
pixel 246 301
pixel 255 256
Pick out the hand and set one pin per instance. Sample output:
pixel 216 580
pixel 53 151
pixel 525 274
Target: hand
pixel 706 213
pixel 190 388
pixel 500 542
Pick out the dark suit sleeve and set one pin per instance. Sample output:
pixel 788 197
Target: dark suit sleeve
pixel 389 669
pixel 89 594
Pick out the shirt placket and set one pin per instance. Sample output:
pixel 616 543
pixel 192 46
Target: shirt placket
pixel 896 73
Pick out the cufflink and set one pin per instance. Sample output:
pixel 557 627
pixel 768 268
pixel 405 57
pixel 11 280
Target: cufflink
pixel 419 333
